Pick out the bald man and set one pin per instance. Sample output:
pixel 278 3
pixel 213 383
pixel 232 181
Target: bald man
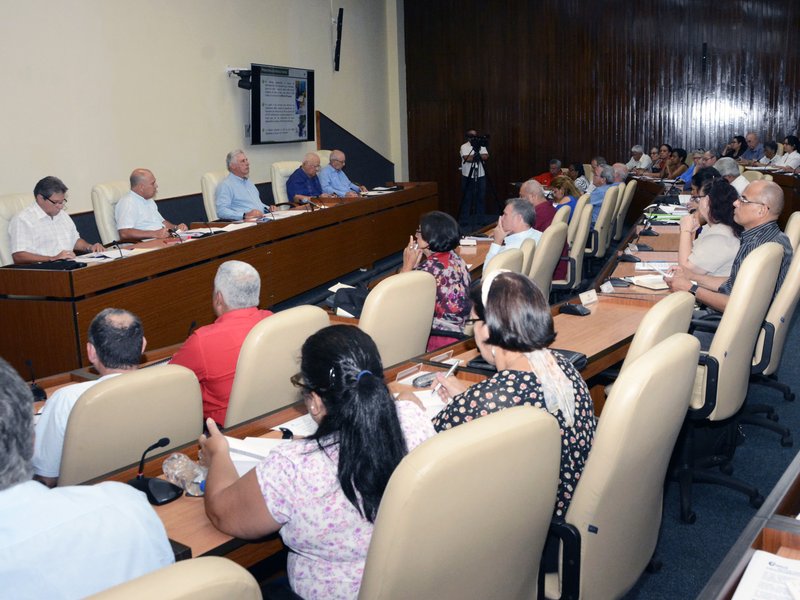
pixel 757 211
pixel 136 213
pixel 334 181
pixel 303 184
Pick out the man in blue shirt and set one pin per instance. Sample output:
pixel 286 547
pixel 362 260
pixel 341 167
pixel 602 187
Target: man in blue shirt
pixel 754 151
pixel 303 184
pixel 236 196
pixel 334 181
pixel 603 179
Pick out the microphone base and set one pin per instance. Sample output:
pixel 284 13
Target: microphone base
pixel 158 491
pixel 648 233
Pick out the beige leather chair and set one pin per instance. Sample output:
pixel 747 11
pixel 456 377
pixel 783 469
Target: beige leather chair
pixel 562 214
pixel 548 253
pixel 722 376
pixel 600 233
pixel 587 172
pixel 613 229
pixel 104 200
pixel 792 229
pixel 324 158
pixel 511 259
pixel 618 501
pixel 208 185
pixel 768 177
pixel 203 578
pixel 528 249
pixel 10 205
pixel 114 421
pixel 575 221
pixel 622 211
pixel 576 252
pixel 753 175
pixel 398 314
pixel 465 514
pixel 270 355
pixel 281 171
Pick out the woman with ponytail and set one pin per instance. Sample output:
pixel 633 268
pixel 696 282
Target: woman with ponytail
pixel 322 493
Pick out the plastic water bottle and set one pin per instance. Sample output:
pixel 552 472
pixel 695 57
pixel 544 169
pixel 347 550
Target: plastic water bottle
pixel 185 473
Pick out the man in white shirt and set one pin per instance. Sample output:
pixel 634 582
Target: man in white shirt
pixel 729 170
pixel 770 154
pixel 136 213
pixel 43 231
pixel 68 542
pixel 639 160
pixel 473 179
pixel 116 342
pixel 514 227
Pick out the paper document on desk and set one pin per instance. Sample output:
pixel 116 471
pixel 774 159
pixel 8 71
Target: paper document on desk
pixel 376 192
pixel 302 426
pixel 651 282
pixel 769 577
pixel 674 209
pixel 250 451
pixel 236 226
pixel 654 265
pixel 105 255
pixel 285 214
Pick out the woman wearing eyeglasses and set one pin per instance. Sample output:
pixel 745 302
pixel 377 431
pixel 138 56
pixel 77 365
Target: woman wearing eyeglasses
pixel 321 493
pixel 513 327
pixel 790 160
pixel 714 249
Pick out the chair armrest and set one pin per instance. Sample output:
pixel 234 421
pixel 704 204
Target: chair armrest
pixel 766 348
pixel 570 574
pixel 712 382
pixel 709 322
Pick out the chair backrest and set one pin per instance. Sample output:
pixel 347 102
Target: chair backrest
pixel 768 177
pixel 753 175
pixel 792 229
pixel 104 199
pixel 574 222
pixel 511 259
pixel 398 314
pixel 618 501
pixel 587 172
pixel 208 185
pixel 114 421
pixel 625 204
pixel 780 315
pixel 618 203
pixel 576 250
pixel 269 356
pixel 10 205
pixel 281 171
pixel 324 158
pixel 203 578
pixel 601 231
pixel 735 339
pixel 466 513
pixel 562 214
pixel 548 253
pixel 670 315
pixel 528 249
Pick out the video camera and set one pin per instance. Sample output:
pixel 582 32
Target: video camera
pixel 479 140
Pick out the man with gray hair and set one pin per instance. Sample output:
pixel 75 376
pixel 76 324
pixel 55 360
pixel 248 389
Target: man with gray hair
pixel 115 346
pixel 334 181
pixel 236 197
pixel 68 542
pixel 303 184
pixel 212 351
pixel 136 214
pixel 603 180
pixel 553 171
pixel 620 172
pixel 514 227
pixel 639 160
pixel 533 192
pixel 729 170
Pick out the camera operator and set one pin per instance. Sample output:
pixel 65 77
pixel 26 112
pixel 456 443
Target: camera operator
pixel 473 178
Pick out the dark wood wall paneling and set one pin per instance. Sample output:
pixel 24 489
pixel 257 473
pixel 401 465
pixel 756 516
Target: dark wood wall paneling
pixel 570 79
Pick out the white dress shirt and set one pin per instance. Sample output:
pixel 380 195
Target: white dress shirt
pixel 134 212
pixel 33 230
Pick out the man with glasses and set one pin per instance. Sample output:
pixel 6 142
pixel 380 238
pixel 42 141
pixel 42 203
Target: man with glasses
pixel 44 231
pixel 757 211
pixel 136 213
pixel 303 184
pixel 334 181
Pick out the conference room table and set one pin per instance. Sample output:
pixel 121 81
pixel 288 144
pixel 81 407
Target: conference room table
pixel 45 314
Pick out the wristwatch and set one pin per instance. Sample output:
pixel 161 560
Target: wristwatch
pixel 693 289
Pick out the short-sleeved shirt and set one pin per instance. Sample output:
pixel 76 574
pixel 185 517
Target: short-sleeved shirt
pixel 714 250
pixel 752 239
pixel 302 184
pixel 327 537
pixel 236 196
pixel 134 212
pixel 335 181
pixel 33 230
pixel 466 166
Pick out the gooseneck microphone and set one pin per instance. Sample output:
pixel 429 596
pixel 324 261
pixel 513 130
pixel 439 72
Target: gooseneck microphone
pixel 36 389
pixel 158 491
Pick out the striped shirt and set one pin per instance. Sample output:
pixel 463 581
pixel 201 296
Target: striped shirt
pixel 752 239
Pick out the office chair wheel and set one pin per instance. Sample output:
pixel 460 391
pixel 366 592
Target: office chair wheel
pixel 654 566
pixel 789 397
pixel 787 441
pixel 726 469
pixel 756 500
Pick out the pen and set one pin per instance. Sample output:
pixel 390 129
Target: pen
pixel 449 372
pixel 655 268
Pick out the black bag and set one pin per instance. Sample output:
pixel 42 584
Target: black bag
pixel 351 299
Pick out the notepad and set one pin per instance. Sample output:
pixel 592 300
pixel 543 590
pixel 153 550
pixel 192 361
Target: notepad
pixel 247 453
pixel 651 282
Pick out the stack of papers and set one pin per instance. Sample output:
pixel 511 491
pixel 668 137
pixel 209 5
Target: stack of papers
pixel 770 576
pixel 250 451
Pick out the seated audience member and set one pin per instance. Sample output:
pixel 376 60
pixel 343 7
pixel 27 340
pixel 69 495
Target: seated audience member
pixel 770 157
pixel 136 212
pixel 213 351
pixel 515 225
pixel 735 148
pixel 710 158
pixel 790 160
pixel 757 211
pixel 664 151
pixel 754 151
pixel 43 231
pixel 639 162
pixel 545 211
pixel 433 250
pixel 554 170
pixel 575 172
pixel 321 493
pixel 603 179
pixel 699 179
pixel 115 346
pixel 596 163
pixel 334 181
pixel 713 251
pixel 513 328
pixel 565 193
pixel 729 170
pixel 303 184
pixel 653 156
pixel 236 196
pixel 675 165
pixel 686 176
pixel 620 172
pixel 68 542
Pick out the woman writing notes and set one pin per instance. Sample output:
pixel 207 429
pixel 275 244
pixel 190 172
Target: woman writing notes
pixel 513 328
pixel 321 493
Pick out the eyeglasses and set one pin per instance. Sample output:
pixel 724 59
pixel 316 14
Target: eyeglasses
pixel 472 321
pixel 57 202
pixel 418 231
pixel 698 198
pixel 744 200
pixel 336 160
pixel 297 381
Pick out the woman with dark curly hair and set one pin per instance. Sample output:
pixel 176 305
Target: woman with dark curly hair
pixel 736 147
pixel 713 251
